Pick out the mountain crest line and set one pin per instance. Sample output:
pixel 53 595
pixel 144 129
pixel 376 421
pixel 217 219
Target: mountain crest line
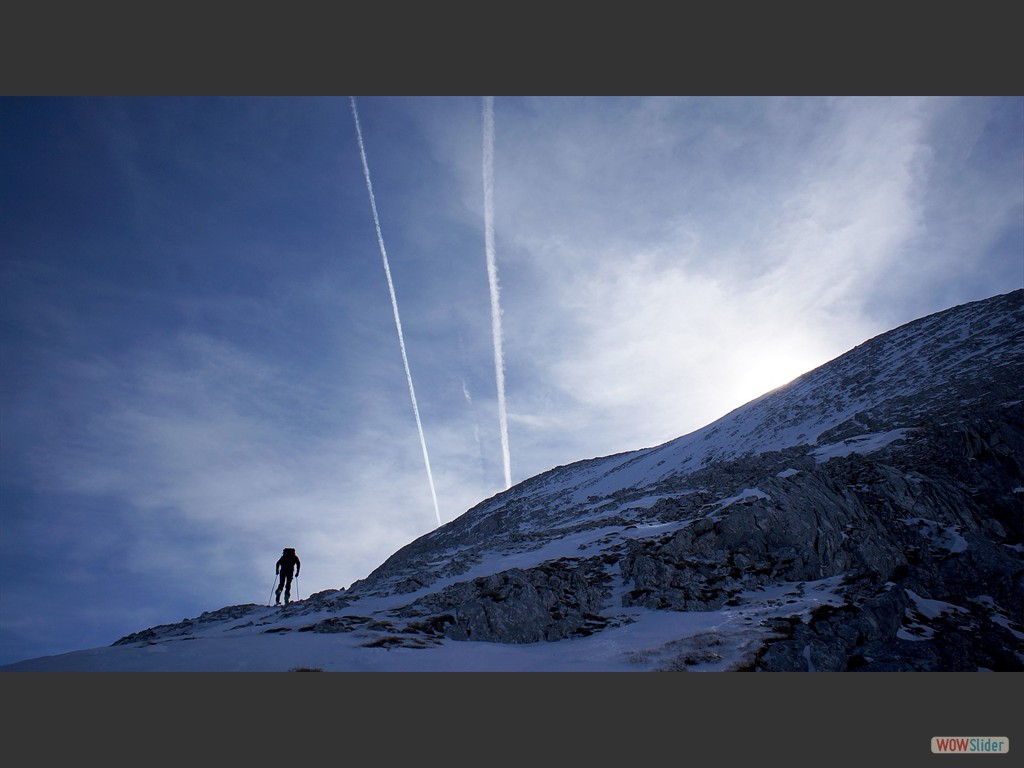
pixel 394 307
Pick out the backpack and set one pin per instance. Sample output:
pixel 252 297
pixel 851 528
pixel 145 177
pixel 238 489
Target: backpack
pixel 288 559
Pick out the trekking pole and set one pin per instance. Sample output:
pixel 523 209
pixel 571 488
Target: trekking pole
pixel 297 595
pixel 272 585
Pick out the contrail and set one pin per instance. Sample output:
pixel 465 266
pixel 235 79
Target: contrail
pixel 492 275
pixel 394 306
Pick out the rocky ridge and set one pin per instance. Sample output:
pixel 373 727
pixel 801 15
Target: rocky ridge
pixel 889 482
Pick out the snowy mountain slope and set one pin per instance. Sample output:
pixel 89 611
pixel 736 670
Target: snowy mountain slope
pixel 898 376
pixel 862 401
pixel 868 515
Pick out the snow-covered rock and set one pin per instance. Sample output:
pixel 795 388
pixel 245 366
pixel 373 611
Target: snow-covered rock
pixel 866 516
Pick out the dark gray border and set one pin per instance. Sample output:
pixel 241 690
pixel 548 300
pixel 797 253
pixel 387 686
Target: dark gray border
pixel 49 48
pixel 732 719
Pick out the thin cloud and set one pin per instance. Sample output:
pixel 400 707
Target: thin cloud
pixel 492 280
pixel 646 329
pixel 394 305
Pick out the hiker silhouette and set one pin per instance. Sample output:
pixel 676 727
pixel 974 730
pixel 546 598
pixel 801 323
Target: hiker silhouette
pixel 286 564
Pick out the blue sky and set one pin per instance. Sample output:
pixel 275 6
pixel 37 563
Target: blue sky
pixel 200 363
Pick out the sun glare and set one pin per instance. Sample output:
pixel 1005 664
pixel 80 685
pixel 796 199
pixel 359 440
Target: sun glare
pixel 770 369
